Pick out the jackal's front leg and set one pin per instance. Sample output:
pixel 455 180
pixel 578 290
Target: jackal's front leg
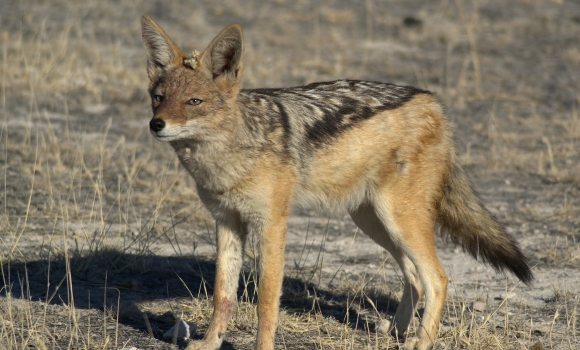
pixel 230 246
pixel 272 243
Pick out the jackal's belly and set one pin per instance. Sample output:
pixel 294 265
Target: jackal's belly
pixel 341 175
pixel 331 196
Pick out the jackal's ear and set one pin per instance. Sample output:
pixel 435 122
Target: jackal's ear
pixel 162 53
pixel 223 57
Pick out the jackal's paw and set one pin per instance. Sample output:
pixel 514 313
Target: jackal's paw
pixel 204 344
pixel 414 343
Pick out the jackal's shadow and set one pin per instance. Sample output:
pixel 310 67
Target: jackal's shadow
pixel 110 278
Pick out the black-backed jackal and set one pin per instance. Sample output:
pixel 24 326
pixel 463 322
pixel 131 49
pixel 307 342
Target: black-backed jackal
pixel 383 152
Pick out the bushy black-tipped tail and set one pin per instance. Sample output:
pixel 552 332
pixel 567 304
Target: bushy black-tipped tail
pixel 469 224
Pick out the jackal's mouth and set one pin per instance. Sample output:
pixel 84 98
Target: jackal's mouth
pixel 165 135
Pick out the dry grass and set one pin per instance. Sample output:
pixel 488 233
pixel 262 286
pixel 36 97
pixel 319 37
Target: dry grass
pixel 103 242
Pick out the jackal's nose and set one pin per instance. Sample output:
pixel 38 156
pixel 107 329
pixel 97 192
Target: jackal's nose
pixel 156 124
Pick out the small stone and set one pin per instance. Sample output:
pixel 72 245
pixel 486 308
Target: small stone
pixel 503 296
pixel 183 329
pixel 575 254
pixel 478 306
pixel 383 327
pixel 129 348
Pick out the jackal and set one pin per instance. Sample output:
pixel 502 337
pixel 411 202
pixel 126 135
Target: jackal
pixel 382 152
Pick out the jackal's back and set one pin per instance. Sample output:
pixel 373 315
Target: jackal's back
pixel 310 116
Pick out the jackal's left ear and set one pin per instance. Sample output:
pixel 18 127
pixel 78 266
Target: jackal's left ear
pixel 223 57
pixel 162 53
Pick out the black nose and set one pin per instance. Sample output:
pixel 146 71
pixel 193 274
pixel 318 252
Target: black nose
pixel 156 124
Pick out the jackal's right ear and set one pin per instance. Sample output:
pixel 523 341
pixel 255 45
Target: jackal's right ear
pixel 223 58
pixel 162 53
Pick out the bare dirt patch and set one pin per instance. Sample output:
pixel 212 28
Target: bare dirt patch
pixel 104 244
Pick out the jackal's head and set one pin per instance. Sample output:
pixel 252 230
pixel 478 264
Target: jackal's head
pixel 193 97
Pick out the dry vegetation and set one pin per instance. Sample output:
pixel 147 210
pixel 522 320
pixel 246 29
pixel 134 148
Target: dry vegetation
pixel 104 244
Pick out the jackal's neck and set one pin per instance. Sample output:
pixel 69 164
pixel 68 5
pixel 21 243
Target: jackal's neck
pixel 219 164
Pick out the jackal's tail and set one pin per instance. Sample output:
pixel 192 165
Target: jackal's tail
pixel 469 224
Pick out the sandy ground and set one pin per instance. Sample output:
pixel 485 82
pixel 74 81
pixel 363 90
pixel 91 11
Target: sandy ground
pixel 95 214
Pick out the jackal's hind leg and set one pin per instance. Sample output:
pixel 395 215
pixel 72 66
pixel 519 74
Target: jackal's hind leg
pixel 370 224
pixel 408 236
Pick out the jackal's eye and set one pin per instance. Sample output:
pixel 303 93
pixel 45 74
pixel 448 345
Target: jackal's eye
pixel 158 98
pixel 194 101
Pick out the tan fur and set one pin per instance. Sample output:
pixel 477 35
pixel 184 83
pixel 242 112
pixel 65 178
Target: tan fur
pixel 380 151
